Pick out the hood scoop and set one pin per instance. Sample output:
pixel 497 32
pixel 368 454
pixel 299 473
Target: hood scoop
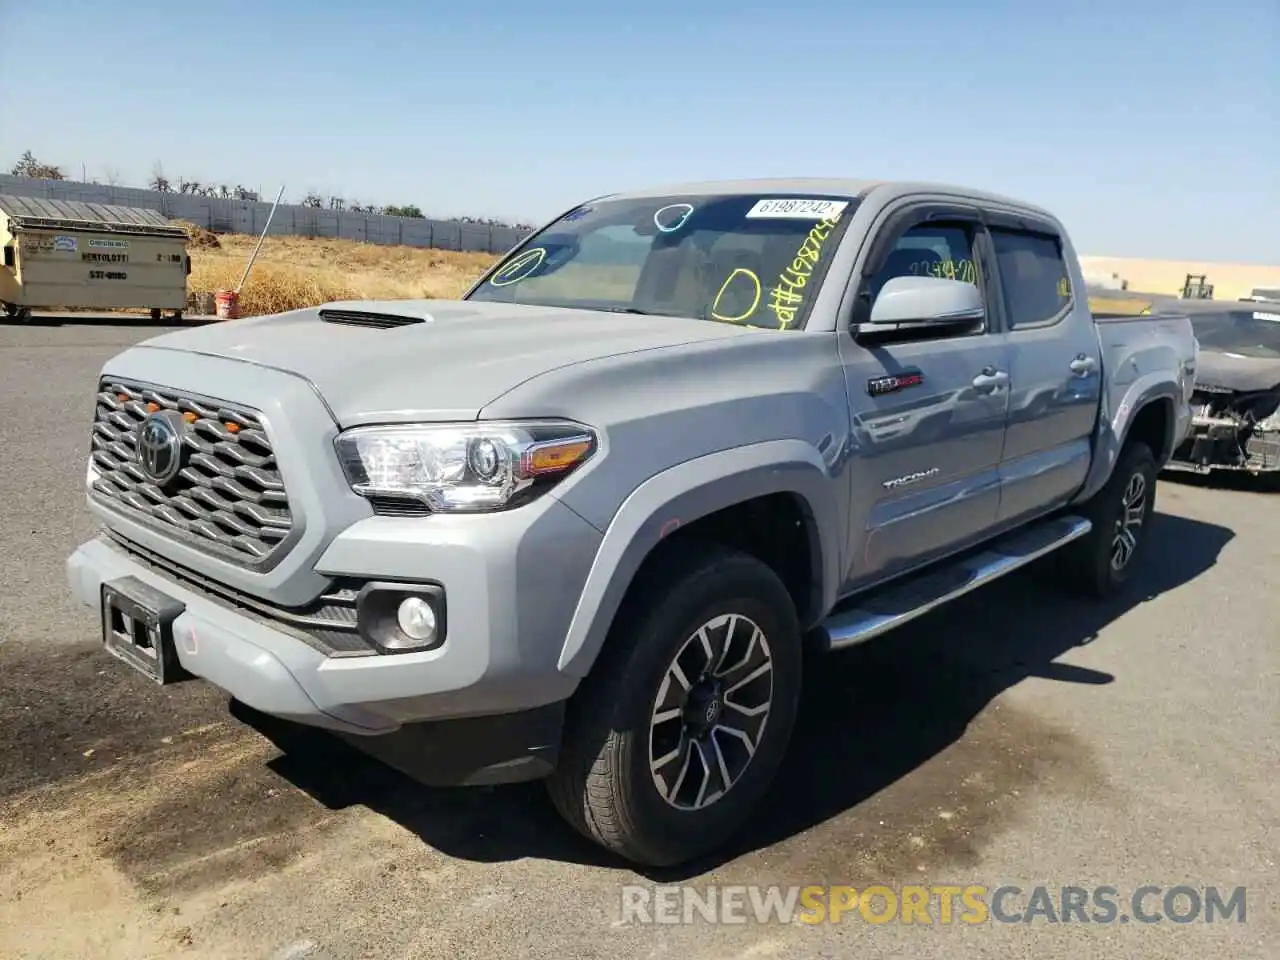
pixel 363 318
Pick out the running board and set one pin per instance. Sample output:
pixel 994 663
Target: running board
pixel 879 612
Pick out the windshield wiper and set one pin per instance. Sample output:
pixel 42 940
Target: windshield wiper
pixel 645 313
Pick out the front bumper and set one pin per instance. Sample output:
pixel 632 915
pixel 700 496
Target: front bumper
pixel 494 581
pixel 1220 444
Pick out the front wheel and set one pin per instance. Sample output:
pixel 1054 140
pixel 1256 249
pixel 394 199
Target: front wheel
pixel 1101 563
pixel 681 726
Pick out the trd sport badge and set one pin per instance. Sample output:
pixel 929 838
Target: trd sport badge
pixel 893 382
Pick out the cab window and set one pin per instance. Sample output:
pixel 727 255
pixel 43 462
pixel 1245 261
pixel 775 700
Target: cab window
pixel 1033 277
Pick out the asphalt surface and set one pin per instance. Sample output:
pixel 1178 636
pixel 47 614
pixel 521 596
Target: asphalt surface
pixel 1015 737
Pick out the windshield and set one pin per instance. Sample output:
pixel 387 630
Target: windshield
pixel 1249 333
pixel 743 258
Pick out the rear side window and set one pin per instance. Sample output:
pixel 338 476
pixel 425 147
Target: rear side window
pixel 1033 276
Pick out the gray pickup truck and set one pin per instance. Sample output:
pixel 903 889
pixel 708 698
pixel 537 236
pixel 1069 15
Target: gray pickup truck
pixel 581 523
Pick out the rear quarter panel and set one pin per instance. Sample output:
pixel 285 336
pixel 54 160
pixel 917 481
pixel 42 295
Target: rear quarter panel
pixel 1145 359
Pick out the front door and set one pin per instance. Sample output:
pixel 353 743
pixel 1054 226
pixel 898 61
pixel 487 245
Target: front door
pixel 1056 374
pixel 928 417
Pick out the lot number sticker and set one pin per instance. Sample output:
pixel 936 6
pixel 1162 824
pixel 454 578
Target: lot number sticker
pixel 797 209
pixel 65 244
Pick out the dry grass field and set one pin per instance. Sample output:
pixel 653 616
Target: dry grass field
pixel 293 272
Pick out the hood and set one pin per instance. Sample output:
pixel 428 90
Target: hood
pixel 432 359
pixel 1228 371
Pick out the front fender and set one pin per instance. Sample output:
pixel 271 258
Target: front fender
pixel 684 493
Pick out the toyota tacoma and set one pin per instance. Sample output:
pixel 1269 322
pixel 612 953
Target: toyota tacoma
pixel 580 524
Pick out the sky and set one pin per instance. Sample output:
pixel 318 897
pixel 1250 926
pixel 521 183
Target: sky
pixel 1151 129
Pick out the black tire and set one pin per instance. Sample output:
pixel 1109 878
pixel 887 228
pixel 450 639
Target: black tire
pixel 1093 565
pixel 603 785
pixel 156 314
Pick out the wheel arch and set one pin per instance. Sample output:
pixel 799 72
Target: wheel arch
pixel 676 500
pixel 1147 411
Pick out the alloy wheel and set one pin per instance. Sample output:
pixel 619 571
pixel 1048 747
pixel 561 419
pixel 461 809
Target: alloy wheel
pixel 710 712
pixel 1128 527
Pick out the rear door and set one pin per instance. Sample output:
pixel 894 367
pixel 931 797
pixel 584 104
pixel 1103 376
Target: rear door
pixel 927 406
pixel 1055 366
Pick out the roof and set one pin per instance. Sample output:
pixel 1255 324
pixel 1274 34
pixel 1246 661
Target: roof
pixel 36 213
pixel 826 186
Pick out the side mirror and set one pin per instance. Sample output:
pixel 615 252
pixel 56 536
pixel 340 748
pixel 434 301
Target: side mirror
pixel 927 300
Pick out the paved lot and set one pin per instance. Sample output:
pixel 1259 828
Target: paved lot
pixel 1014 737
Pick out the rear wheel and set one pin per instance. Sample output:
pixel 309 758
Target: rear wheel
pixel 681 726
pixel 1101 563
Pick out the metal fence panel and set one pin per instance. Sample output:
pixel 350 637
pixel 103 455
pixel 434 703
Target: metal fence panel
pixel 225 215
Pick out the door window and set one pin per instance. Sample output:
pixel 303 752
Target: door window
pixel 1033 277
pixel 929 250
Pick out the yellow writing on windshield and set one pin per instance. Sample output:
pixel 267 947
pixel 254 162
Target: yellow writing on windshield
pixel 787 295
pixel 520 267
pixel 962 270
pixel 1064 288
pixel 749 281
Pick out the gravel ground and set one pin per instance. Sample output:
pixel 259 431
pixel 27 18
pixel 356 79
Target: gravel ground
pixel 1014 737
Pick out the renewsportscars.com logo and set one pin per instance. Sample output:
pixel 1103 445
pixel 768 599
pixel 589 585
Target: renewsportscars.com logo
pixel 939 904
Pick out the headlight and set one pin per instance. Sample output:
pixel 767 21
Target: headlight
pixel 463 468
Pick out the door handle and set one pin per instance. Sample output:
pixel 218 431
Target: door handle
pixel 1082 365
pixel 990 379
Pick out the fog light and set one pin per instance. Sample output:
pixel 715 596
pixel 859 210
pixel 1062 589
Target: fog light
pixel 402 617
pixel 416 619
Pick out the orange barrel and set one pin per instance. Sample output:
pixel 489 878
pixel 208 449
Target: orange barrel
pixel 227 304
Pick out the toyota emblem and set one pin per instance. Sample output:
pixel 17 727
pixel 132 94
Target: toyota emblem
pixel 160 447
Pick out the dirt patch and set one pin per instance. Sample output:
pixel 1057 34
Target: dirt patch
pixel 133 859
pixel 219 818
pixel 207 812
pixel 72 709
pixel 198 237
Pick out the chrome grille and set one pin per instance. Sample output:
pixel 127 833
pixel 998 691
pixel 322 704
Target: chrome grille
pixel 228 498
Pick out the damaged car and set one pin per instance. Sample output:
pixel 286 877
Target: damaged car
pixel 1236 403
